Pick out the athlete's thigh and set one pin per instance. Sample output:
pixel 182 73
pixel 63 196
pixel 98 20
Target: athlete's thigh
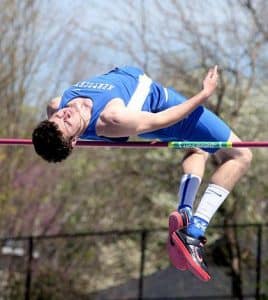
pixel 208 127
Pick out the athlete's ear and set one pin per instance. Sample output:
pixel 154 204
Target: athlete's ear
pixel 74 140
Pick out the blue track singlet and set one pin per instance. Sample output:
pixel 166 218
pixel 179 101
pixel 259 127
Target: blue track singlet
pixel 141 93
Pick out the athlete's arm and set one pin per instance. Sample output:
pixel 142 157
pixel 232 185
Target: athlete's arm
pixel 117 120
pixel 53 106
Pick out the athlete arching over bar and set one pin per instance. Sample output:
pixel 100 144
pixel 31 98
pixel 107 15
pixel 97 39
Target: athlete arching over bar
pixel 126 102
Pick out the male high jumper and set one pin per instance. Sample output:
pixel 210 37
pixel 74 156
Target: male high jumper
pixel 126 102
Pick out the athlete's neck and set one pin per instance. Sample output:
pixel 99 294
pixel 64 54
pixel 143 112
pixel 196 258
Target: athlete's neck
pixel 83 107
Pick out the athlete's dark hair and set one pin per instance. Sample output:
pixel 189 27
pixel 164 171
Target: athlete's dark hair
pixel 50 143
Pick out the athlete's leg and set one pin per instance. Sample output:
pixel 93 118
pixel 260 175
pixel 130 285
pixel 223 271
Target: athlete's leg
pixel 194 162
pixel 193 166
pixel 234 163
pixel 190 242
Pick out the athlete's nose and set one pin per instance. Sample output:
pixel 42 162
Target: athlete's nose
pixel 63 113
pixel 60 113
pixel 67 114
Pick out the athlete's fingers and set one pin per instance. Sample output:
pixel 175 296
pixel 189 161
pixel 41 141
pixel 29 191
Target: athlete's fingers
pixel 209 74
pixel 215 70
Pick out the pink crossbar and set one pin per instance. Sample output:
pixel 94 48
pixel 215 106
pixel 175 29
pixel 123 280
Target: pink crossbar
pixel 131 144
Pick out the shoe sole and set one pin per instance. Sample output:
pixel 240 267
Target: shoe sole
pixel 191 265
pixel 177 259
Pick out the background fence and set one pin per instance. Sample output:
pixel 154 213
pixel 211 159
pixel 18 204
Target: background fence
pixel 132 265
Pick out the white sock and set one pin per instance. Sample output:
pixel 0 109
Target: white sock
pixel 211 201
pixel 189 186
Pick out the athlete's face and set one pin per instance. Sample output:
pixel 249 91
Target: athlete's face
pixel 68 120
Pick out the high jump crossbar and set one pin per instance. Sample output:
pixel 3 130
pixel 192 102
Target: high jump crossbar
pixel 140 144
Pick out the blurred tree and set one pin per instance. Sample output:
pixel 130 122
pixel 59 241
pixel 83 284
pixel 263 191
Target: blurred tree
pixel 33 68
pixel 30 63
pixel 16 71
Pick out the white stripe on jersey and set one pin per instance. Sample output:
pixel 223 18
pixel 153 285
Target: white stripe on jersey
pixel 166 94
pixel 139 96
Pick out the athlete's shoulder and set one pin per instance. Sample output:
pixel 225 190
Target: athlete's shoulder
pixel 53 105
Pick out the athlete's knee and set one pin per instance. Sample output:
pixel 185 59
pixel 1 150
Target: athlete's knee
pixel 204 154
pixel 241 156
pixel 196 151
pixel 245 156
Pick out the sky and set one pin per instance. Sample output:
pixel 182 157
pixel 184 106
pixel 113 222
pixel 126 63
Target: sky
pixel 78 39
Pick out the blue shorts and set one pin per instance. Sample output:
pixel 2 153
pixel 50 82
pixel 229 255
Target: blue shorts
pixel 200 125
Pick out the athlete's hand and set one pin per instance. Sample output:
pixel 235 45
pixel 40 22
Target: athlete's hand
pixel 210 81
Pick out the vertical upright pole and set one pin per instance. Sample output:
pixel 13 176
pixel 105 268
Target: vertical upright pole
pixel 142 262
pixel 258 262
pixel 28 280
